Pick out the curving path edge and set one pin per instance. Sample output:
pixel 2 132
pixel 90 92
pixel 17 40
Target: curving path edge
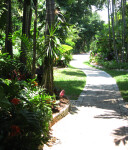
pixel 98 119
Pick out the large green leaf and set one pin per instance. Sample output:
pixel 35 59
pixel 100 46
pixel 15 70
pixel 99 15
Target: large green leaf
pixel 64 48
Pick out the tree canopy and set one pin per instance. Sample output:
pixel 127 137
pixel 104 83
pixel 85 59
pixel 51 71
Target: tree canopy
pixel 31 34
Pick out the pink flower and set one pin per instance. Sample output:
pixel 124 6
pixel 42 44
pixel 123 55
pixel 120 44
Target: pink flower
pixel 62 93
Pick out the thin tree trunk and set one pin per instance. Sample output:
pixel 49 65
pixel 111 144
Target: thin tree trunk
pixel 123 29
pixel 113 31
pixel 29 22
pixel 8 42
pixel 126 36
pixel 109 24
pixel 34 42
pixel 116 19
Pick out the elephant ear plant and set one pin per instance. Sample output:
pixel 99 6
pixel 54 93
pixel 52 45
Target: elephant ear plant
pixel 25 115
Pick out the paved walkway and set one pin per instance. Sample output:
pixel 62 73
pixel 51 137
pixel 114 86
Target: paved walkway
pixel 98 118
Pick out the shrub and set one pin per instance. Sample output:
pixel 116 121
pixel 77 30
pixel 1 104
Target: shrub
pixel 11 68
pixel 25 115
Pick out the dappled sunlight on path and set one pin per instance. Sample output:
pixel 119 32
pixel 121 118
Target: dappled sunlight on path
pixel 97 119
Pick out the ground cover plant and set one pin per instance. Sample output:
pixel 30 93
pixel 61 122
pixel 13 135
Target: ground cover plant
pixel 70 79
pixel 25 115
pixel 121 78
pixel 25 108
pixel 103 60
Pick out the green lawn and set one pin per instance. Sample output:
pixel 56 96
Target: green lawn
pixel 73 80
pixel 121 78
pixel 70 79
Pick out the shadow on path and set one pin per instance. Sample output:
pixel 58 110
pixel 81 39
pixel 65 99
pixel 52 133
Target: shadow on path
pixel 121 135
pixel 101 92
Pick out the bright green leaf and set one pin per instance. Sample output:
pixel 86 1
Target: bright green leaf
pixel 64 48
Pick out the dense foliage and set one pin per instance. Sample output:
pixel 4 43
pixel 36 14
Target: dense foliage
pixel 25 115
pixel 25 109
pixel 32 41
pixel 110 46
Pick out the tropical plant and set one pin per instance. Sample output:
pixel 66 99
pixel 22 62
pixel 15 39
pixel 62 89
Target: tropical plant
pixel 25 115
pixel 11 68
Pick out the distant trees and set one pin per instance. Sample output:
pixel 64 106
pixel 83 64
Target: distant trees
pixel 87 23
pixel 117 12
pixel 111 43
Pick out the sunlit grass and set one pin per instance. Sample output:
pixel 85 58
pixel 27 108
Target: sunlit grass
pixel 121 78
pixel 70 79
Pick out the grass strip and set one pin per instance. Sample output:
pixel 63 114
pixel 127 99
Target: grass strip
pixel 70 79
pixel 121 78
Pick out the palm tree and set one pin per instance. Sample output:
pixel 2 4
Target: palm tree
pixel 25 28
pixel 47 80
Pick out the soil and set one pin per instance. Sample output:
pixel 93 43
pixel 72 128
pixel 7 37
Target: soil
pixel 62 103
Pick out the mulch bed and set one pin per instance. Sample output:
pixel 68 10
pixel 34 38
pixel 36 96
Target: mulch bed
pixel 62 103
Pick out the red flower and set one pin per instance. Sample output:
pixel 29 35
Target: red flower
pixel 62 93
pixel 34 83
pixel 15 130
pixel 15 101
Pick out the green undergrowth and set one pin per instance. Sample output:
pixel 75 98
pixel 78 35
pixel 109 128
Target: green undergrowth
pixel 71 80
pixel 121 78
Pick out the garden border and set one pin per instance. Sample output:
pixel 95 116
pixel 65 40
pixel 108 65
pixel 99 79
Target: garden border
pixel 61 114
pixel 101 67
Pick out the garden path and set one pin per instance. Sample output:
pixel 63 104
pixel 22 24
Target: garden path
pixel 98 119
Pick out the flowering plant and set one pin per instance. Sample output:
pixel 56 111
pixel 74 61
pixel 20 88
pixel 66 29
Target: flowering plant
pixel 62 93
pixel 25 115
pixel 34 83
pixel 15 101
pixel 15 130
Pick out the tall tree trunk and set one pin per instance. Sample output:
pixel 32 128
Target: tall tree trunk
pixel 123 29
pixel 8 42
pixel 126 33
pixel 109 24
pixel 29 22
pixel 116 18
pixel 47 80
pixel 50 14
pixel 113 31
pixel 34 42
pixel 26 9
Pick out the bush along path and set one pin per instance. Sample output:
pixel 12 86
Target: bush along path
pixel 98 119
